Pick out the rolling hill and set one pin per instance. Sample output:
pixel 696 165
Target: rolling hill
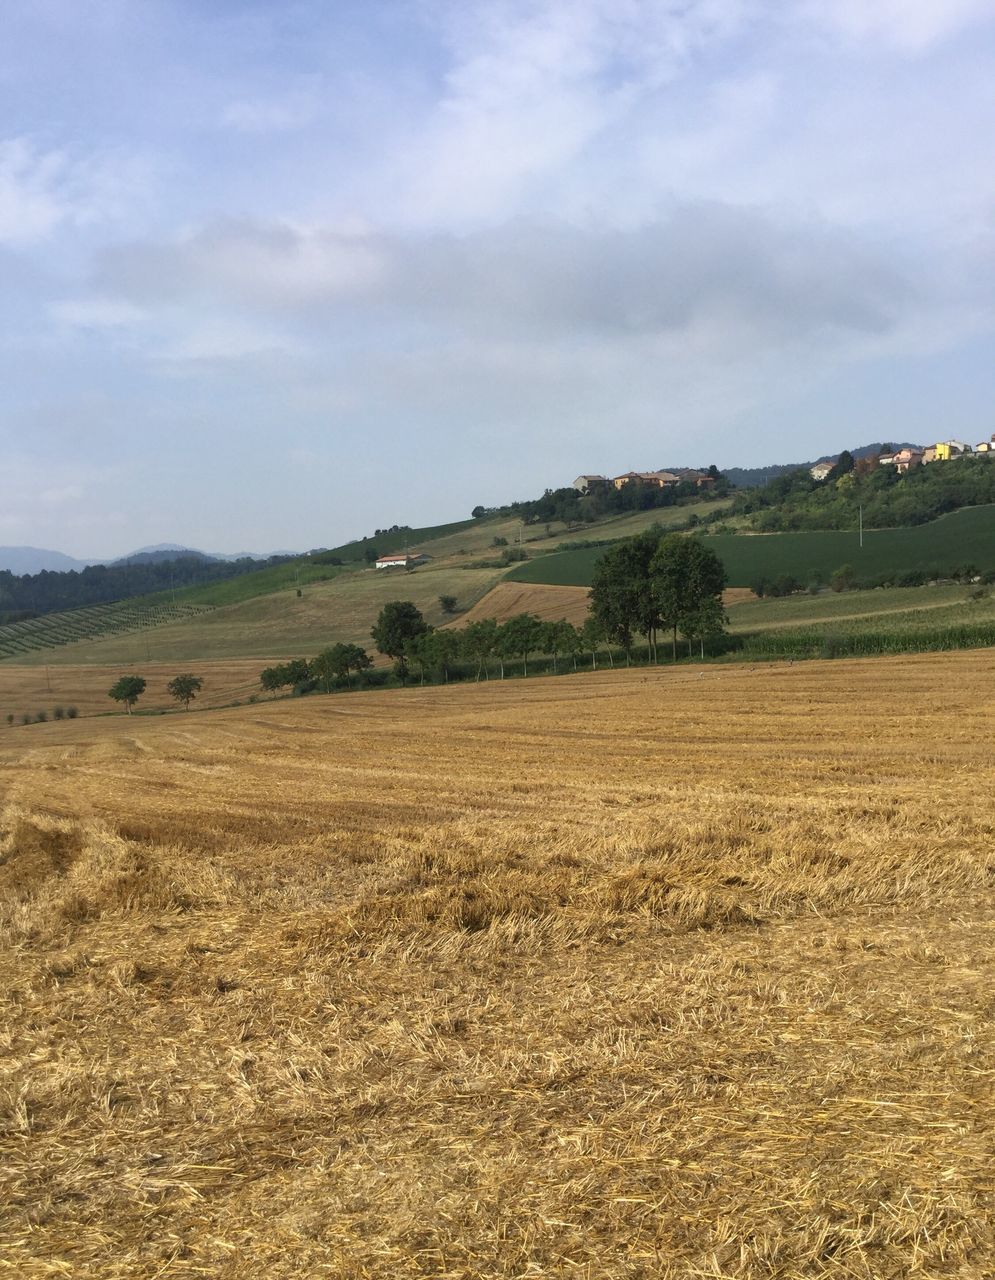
pixel 965 537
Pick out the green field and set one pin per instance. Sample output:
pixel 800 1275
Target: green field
pixel 964 537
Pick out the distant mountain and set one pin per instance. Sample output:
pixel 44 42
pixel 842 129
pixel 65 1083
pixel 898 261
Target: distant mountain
pixel 162 555
pixel 21 560
pixel 164 551
pixel 29 560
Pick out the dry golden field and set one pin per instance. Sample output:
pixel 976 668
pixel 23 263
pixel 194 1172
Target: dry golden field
pixel 36 688
pixel 549 603
pixel 638 974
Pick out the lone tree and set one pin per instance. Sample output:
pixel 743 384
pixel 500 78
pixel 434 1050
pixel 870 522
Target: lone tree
pixel 185 688
pixel 447 604
pixel 127 690
pixel 399 623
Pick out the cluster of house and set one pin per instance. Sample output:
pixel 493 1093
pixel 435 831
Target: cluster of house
pixel 905 459
pixel 658 479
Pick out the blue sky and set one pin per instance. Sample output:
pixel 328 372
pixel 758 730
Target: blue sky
pixel 277 273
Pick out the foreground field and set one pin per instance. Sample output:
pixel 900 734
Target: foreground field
pixel 652 973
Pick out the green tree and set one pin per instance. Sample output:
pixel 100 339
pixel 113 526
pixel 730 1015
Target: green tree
pixel 338 662
pixel 559 637
pixel 442 648
pixel 570 641
pixel 128 689
pixel 271 678
pixel 843 578
pixel 478 641
pixel 520 636
pixel 185 688
pixel 592 635
pixel 844 465
pixel 399 622
pixel 685 576
pixel 621 598
pixel 294 672
pixel 448 604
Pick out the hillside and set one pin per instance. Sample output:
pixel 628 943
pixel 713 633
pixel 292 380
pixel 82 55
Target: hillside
pixel 962 538
pixel 260 612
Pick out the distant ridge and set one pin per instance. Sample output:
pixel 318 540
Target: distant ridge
pixel 21 560
pixel 31 560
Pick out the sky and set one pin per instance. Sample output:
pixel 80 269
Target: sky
pixel 275 273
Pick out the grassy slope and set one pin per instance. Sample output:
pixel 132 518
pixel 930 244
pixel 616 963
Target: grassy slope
pixel 880 607
pixel 260 613
pixel 642 974
pixel 963 537
pixel 283 624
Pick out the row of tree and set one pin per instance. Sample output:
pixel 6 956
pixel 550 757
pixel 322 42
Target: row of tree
pixel 128 689
pixel 401 633
pixel 648 584
pixel 644 585
pixel 603 499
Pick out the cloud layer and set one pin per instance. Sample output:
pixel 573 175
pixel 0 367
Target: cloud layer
pixel 538 237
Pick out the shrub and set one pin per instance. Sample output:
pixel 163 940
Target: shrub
pixel 843 578
pixel 41 717
pixel 71 713
pixel 59 713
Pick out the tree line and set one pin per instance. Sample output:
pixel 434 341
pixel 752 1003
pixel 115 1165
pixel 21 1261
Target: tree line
pixel 643 586
pixel 602 499
pixel 795 501
pixel 25 595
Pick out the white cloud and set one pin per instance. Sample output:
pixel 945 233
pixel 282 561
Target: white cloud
pixel 912 26
pixel 533 85
pixel 31 204
pixel 42 191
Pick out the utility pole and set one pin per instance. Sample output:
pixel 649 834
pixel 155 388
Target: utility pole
pixel 860 511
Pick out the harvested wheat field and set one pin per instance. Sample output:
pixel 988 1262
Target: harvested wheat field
pixel 29 689
pixel 636 974
pixel 549 603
